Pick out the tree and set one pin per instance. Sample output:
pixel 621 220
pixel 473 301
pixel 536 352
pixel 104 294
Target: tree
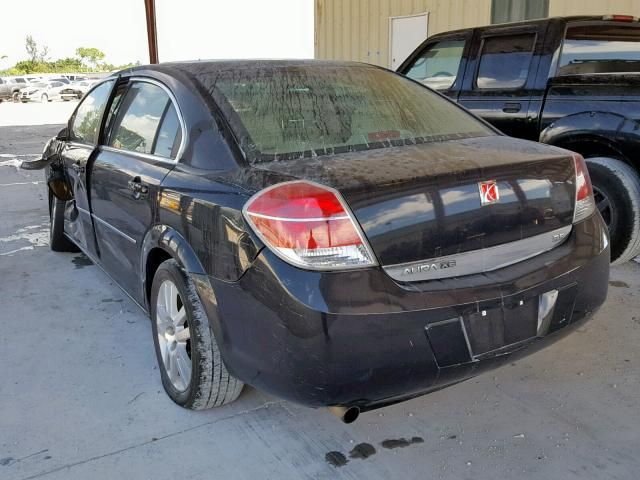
pixel 90 54
pixel 36 54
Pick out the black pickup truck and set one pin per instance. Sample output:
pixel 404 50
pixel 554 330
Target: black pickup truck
pixel 573 82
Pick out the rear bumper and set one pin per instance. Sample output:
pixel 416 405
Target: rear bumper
pixel 360 338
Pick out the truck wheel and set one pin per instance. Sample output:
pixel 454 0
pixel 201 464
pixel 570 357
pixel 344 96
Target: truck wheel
pixel 616 188
pixel 192 371
pixel 58 242
pixel 16 97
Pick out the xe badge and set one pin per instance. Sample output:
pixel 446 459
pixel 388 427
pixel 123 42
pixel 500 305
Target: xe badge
pixel 488 192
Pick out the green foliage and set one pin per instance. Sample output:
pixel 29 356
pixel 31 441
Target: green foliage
pixel 90 54
pixel 88 60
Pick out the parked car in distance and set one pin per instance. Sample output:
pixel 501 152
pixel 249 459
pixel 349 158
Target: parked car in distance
pixel 9 90
pixel 573 82
pixel 76 89
pixel 41 92
pixel 60 79
pixel 75 77
pixel 330 232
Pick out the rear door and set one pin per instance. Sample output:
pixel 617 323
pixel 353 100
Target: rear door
pixel 440 64
pixel 81 147
pixel 144 136
pixel 501 78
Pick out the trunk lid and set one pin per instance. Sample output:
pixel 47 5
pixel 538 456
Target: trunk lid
pixel 423 203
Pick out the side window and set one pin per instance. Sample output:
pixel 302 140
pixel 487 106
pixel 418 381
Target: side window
pixel 113 108
pixel 85 124
pixel 437 66
pixel 505 60
pixel 139 116
pixel 169 134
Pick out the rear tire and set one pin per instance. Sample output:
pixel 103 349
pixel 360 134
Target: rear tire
pixel 616 188
pixel 44 98
pixel 58 241
pixel 191 367
pixel 16 97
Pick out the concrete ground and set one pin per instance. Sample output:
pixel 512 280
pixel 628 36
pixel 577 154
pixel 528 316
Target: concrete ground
pixel 80 393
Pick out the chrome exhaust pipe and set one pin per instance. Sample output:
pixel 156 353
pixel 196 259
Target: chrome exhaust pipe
pixel 346 414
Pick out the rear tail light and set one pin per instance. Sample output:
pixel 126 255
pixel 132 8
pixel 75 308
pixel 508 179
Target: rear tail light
pixel 585 204
pixel 308 225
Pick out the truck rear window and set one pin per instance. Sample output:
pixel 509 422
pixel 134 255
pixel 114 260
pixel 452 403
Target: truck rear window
pixel 600 49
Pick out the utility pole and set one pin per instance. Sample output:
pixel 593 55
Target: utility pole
pixel 152 37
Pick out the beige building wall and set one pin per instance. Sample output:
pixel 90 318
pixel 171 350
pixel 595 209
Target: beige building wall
pixel 560 8
pixel 359 29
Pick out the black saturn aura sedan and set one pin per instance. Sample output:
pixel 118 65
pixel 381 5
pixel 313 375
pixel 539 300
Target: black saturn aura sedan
pixel 332 233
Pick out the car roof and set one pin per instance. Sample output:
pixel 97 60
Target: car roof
pixel 195 67
pixel 524 23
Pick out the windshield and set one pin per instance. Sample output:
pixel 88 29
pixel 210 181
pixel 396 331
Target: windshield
pixel 291 112
pixel 600 49
pixel 39 84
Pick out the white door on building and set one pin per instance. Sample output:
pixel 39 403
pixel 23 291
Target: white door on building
pixel 405 34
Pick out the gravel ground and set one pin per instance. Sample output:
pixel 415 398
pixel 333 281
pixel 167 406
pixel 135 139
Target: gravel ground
pixel 81 395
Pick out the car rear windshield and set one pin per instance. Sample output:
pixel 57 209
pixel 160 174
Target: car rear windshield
pixel 600 49
pixel 292 112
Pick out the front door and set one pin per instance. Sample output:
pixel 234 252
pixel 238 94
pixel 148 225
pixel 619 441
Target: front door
pixel 140 148
pixel 83 130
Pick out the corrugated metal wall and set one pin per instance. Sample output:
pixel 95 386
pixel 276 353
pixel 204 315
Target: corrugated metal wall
pixel 359 29
pixel 559 8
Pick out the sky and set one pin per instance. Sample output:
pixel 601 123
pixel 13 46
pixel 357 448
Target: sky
pixel 187 29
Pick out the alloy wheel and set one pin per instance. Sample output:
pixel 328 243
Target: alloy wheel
pixel 174 338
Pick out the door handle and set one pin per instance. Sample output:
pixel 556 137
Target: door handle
pixel 512 107
pixel 76 167
pixel 138 188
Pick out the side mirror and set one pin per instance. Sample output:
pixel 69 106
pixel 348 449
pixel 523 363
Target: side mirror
pixel 38 164
pixel 41 162
pixel 63 135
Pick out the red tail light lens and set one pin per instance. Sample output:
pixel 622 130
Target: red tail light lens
pixel 308 225
pixel 585 204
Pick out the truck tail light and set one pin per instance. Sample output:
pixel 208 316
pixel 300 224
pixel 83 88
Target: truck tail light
pixel 308 225
pixel 585 204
